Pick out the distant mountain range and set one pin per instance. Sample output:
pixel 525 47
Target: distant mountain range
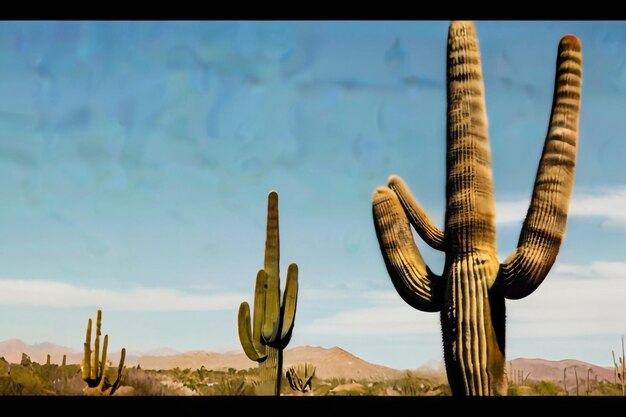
pixel 330 362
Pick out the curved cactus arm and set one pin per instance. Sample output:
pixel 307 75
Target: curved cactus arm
pixel 104 356
pixel 425 228
pixel 96 347
pixel 271 266
pixel 410 275
pixel 86 365
pixel 290 301
pixel 259 311
pixel 245 333
pixel 120 370
pixel 103 365
pixel 544 226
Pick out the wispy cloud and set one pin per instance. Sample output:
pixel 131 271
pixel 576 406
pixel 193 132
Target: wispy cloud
pixel 376 320
pixel 42 293
pixel 387 314
pixel 606 202
pixel 574 301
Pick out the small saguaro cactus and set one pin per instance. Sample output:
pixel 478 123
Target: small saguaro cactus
pixel 48 360
pixel 265 339
pixel 471 291
pixel 300 377
pixel 620 369
pixel 64 360
pixel 94 368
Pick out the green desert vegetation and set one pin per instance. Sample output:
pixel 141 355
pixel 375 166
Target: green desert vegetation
pixel 620 369
pixel 272 325
pixel 300 377
pixel 32 378
pixel 470 294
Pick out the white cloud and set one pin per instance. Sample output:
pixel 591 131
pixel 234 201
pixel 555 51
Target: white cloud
pixel 41 293
pixel 376 321
pixel 389 314
pixel 608 203
pixel 574 301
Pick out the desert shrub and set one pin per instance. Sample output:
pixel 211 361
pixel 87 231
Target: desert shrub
pixel 546 388
pixel 149 383
pixel 321 390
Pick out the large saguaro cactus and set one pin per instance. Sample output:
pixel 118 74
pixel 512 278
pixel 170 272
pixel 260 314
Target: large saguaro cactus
pixel 94 368
pixel 273 323
pixel 470 293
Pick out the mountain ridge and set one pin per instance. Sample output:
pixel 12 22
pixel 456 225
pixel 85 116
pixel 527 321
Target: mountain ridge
pixel 330 362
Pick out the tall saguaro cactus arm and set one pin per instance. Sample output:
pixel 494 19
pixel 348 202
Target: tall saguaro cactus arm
pixel 425 228
pixel 410 275
pixel 290 301
pixel 544 226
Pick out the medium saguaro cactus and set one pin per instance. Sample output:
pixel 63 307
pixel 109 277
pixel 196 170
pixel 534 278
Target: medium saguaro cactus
pixel 471 291
pixel 94 369
pixel 272 326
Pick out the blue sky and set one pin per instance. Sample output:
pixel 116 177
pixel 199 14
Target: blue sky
pixel 136 158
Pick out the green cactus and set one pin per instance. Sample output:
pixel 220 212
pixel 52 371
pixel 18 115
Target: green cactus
pixel 300 378
pixel 621 376
pixel 470 294
pixel 64 360
pixel 94 369
pixel 270 333
pixel 48 360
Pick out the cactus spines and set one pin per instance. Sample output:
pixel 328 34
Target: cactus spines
pixel 471 291
pixel 94 368
pixel 300 378
pixel 265 336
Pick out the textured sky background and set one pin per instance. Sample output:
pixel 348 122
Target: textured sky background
pixel 136 158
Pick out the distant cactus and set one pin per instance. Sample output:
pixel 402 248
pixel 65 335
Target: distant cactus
pixel 63 363
pixel 48 360
pixel 300 378
pixel 94 369
pixel 620 369
pixel 270 333
pixel 470 294
pixel 26 360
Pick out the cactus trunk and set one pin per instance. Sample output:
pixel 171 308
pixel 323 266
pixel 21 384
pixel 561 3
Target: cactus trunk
pixel 472 324
pixel 271 371
pixel 471 291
